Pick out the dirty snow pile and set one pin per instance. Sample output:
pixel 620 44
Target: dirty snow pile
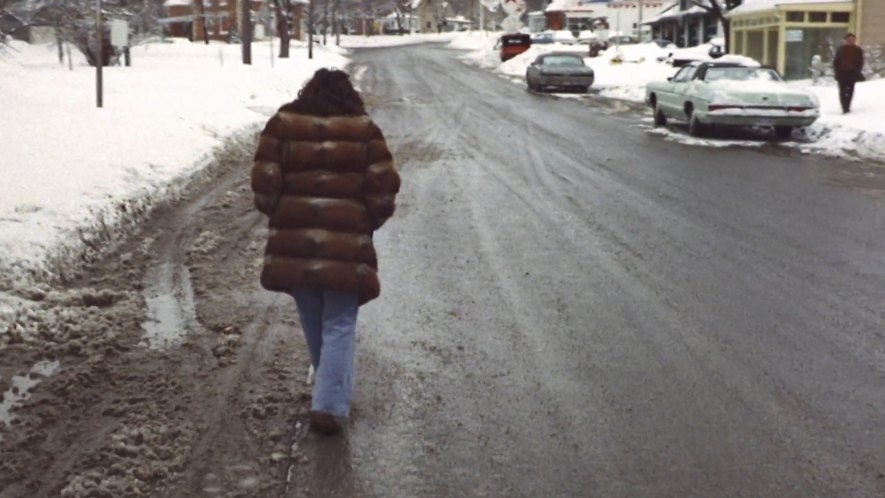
pixel 71 170
pixel 861 132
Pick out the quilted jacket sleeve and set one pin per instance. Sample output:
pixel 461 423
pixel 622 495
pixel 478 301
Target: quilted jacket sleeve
pixel 382 181
pixel 267 177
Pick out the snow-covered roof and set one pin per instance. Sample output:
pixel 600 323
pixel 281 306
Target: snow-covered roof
pixel 750 6
pixel 664 13
pixel 177 3
pixel 674 13
pixel 560 5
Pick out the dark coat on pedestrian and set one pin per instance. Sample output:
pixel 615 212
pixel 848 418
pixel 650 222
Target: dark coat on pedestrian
pixel 327 183
pixel 848 63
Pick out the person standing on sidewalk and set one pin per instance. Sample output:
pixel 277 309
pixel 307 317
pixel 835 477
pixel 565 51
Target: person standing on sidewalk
pixel 324 176
pixel 848 67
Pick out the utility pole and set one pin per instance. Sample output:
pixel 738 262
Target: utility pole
pixel 99 62
pixel 639 24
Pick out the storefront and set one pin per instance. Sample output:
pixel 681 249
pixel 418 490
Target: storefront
pixel 786 35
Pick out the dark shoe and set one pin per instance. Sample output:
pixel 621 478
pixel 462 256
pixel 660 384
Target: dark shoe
pixel 324 423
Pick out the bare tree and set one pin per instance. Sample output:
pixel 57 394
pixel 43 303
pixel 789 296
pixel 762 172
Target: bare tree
pixel 202 7
pixel 719 8
pixel 245 19
pixel 283 9
pixel 3 34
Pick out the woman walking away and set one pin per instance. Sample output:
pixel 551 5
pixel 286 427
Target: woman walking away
pixel 324 176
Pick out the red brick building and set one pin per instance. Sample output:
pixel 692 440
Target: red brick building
pixel 183 17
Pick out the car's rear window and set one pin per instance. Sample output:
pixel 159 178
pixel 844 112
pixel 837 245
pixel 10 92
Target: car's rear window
pixel 511 41
pixel 563 60
pixel 741 74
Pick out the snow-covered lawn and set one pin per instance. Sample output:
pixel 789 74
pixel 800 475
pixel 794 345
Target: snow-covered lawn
pixel 622 73
pixel 69 167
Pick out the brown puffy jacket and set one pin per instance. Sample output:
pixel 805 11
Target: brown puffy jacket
pixel 326 183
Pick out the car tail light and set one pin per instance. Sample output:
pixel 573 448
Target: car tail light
pixel 719 107
pixel 797 109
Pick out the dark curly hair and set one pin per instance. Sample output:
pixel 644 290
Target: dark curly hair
pixel 328 93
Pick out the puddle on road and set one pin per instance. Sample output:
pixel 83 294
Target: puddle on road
pixel 170 306
pixel 21 388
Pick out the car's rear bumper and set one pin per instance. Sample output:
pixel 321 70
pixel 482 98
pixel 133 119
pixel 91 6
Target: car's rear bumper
pixel 766 119
pixel 564 81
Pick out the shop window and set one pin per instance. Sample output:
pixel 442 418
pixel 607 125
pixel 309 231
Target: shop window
pixel 803 44
pixel 817 17
pixel 795 16
pixel 841 17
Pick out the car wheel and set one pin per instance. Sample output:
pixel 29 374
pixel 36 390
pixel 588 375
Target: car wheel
pixel 660 119
pixel 783 131
pixel 695 127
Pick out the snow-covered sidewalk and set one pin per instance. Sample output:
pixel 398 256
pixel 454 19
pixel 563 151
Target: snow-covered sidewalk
pixel 623 72
pixel 70 168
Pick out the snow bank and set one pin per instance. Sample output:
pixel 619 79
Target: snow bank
pixel 860 133
pixel 71 169
pixel 380 41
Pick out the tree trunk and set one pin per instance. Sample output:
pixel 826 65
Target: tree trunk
pixel 726 33
pixel 336 22
pixel 325 19
pixel 59 41
pixel 310 29
pixel 246 30
pixel 283 27
pixel 203 21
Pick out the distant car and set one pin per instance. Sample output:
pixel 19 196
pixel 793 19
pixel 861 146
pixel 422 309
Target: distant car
pixel 586 37
pixel 560 70
pixel 511 45
pixel 564 36
pixel 719 93
pixel 621 40
pixel 662 42
pixel 542 38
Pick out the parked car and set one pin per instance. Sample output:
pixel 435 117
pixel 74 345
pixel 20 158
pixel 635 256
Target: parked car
pixel 542 38
pixel 662 42
pixel 560 70
pixel 719 93
pixel 513 44
pixel 586 37
pixel 564 36
pixel 622 40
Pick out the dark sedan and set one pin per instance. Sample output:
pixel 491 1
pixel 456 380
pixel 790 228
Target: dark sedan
pixel 560 70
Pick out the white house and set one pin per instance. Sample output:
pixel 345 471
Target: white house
pixel 432 15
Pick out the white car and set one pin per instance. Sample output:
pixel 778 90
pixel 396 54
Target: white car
pixel 730 94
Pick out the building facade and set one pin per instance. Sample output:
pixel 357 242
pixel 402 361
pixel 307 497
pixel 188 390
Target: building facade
pixel 183 18
pixel 685 24
pixel 616 17
pixel 789 34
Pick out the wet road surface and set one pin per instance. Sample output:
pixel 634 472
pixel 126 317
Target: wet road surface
pixel 573 306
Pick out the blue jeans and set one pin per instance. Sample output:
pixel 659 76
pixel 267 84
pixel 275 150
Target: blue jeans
pixel 329 322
